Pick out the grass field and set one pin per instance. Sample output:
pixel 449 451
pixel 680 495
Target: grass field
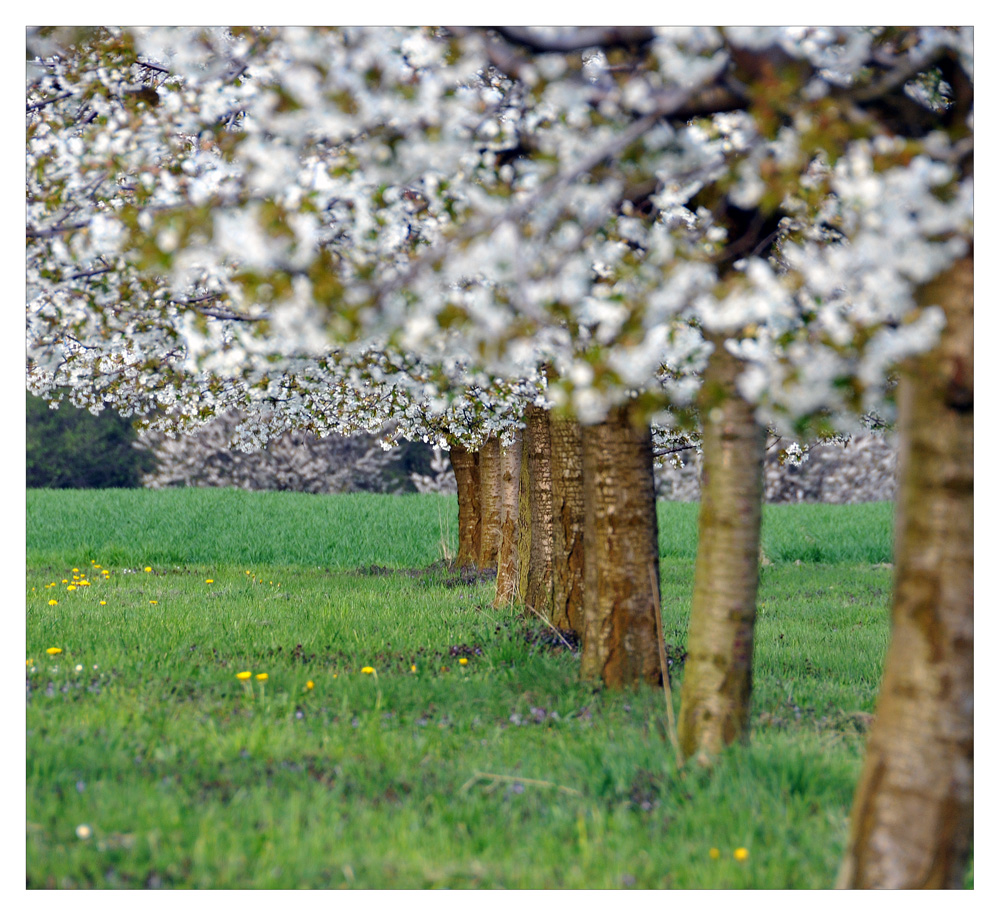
pixel 150 764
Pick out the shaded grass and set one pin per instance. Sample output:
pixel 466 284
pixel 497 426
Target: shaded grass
pixel 346 531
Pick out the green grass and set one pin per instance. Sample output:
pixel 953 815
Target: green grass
pixel 348 531
pixel 374 781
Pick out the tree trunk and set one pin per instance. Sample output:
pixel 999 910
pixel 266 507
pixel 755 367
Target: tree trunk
pixel 715 697
pixel 538 444
pixel 465 464
pixel 622 555
pixel 510 496
pixel 568 524
pixel 911 824
pixel 489 503
pixel 523 522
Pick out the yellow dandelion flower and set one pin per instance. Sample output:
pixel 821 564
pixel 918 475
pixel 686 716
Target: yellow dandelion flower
pixel 74 569
pixel 29 662
pixel 104 602
pixel 154 602
pixel 52 601
pixel 463 661
pixel 64 581
pixel 309 685
pixel 262 676
pixel 148 569
pixel 367 670
pixel 335 677
pixel 714 853
pixel 71 588
pixel 209 581
pixel 244 675
pixel 54 650
pixel 84 582
pixel 741 854
pixel 413 668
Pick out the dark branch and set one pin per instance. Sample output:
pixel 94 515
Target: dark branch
pixel 55 230
pixel 578 39
pixel 661 452
pixel 56 98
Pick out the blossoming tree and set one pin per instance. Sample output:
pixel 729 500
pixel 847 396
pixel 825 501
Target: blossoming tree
pixel 738 220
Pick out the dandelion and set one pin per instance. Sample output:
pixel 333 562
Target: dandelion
pixel 463 661
pixel 367 670
pixel 29 662
pixel 741 854
pixel 74 569
pixel 309 685
pixel 209 581
pixel 244 677
pixel 83 832
pixel 71 588
pixel 714 853
pixel 104 602
pixel 64 581
pixel 154 602
pixel 413 668
pixel 262 676
pixel 55 650
pixel 84 582
pixel 148 569
pixel 52 602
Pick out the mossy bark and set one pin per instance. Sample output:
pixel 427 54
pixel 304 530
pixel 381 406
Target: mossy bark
pixel 489 503
pixel 510 494
pixel 568 524
pixel 911 823
pixel 465 464
pixel 715 697
pixel 621 550
pixel 538 446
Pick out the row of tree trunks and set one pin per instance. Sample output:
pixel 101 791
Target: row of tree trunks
pixel 621 572
pixel 568 524
pixel 715 697
pixel 911 823
pixel 510 502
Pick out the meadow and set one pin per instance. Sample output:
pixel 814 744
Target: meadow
pixel 407 734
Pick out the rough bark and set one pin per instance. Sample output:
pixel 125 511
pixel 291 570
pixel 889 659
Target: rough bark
pixel 621 549
pixel 568 524
pixel 489 503
pixel 523 523
pixel 510 496
pixel 465 464
pixel 538 445
pixel 715 697
pixel 911 823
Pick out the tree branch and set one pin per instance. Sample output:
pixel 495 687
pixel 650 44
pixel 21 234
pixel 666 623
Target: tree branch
pixel 566 41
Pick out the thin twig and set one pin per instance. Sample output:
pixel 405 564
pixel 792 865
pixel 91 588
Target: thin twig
pixel 500 777
pixel 548 623
pixel 667 694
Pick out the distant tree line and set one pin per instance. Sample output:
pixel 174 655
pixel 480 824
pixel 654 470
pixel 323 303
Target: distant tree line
pixel 69 448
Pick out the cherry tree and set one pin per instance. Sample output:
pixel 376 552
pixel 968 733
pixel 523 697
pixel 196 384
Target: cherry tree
pixel 742 221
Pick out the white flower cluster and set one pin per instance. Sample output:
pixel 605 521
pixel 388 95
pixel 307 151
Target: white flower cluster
pixel 332 228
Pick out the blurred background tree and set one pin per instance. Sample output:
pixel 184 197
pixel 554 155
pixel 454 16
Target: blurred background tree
pixel 71 448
